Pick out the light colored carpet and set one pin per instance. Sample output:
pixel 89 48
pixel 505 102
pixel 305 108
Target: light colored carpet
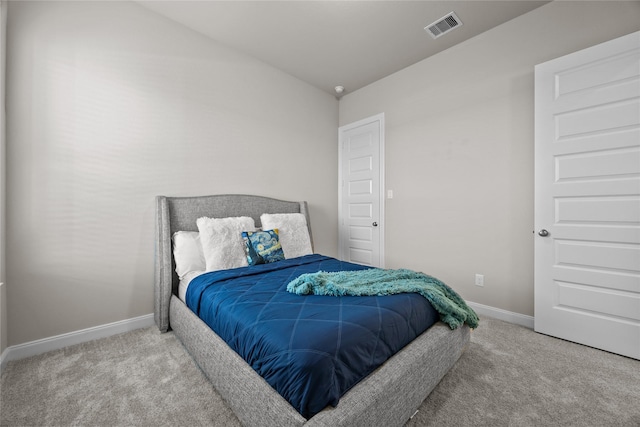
pixel 512 376
pixel 509 376
pixel 140 378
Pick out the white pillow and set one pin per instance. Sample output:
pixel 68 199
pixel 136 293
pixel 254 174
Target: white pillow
pixel 187 252
pixel 292 230
pixel 222 243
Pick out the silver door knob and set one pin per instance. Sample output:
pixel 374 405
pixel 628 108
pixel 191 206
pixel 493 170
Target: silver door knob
pixel 375 224
pixel 543 233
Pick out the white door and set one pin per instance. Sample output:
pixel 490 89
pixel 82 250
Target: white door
pixel 360 216
pixel 587 202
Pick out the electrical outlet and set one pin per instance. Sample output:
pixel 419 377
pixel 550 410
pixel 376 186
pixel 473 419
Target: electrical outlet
pixel 479 279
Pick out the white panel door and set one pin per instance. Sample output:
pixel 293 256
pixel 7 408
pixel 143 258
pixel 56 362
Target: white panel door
pixel 587 203
pixel 361 225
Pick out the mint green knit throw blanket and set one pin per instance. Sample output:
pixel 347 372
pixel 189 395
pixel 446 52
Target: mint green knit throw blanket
pixel 453 310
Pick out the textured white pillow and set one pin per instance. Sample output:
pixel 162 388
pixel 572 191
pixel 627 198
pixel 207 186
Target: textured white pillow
pixel 292 230
pixel 222 242
pixel 187 252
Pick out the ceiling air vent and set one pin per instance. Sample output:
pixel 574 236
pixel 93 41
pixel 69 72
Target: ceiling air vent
pixel 443 25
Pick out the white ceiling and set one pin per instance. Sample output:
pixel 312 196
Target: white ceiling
pixel 329 43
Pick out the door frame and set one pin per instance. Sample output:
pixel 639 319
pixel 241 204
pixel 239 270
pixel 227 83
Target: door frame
pixel 379 118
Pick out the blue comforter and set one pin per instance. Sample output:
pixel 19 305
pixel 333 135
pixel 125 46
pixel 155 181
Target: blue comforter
pixel 311 349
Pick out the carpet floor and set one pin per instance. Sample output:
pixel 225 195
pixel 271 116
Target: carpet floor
pixel 508 376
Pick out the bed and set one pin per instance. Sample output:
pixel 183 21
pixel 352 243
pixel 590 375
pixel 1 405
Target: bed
pixel 388 396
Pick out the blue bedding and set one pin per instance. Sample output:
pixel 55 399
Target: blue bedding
pixel 311 349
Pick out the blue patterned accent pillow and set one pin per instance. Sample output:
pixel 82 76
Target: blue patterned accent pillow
pixel 262 247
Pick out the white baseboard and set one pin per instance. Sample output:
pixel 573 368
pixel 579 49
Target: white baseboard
pixel 3 359
pixel 33 348
pixel 500 314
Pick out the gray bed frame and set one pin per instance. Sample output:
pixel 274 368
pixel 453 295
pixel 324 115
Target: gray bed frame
pixel 387 397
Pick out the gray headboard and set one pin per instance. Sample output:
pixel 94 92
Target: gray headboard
pixel 180 214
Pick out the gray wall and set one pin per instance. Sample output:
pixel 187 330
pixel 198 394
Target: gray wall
pixel 459 148
pixel 3 298
pixel 110 105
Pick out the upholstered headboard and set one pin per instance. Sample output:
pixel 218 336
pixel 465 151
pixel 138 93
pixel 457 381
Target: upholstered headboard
pixel 180 214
